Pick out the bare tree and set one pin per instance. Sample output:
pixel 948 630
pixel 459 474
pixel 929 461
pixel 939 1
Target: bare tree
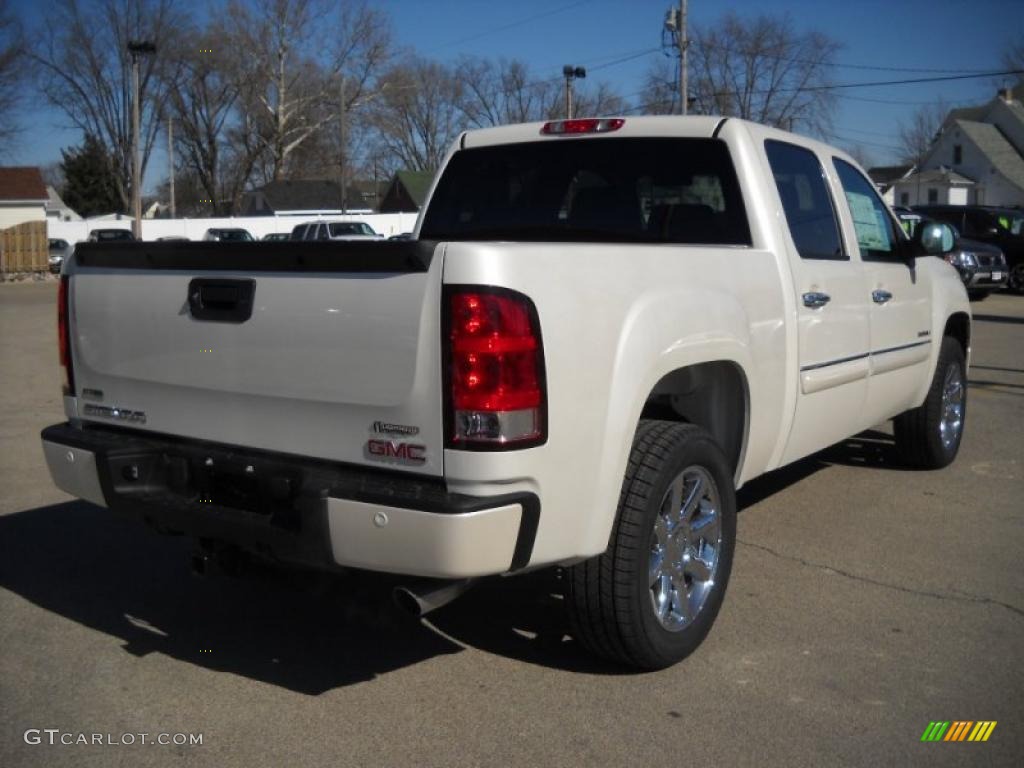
pixel 760 69
pixel 503 92
pixel 11 75
pixel 603 101
pixel 86 71
pixel 291 58
pixel 861 154
pixel 202 103
pixel 918 134
pixel 418 113
pixel 660 94
pixel 1013 56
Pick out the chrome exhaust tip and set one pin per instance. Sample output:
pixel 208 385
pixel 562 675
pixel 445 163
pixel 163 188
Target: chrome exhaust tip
pixel 420 598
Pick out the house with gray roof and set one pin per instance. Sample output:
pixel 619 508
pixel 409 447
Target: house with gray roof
pixel 309 197
pixel 977 158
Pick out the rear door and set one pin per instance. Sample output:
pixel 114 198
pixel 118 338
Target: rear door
pixel 325 350
pixel 900 298
pixel 832 311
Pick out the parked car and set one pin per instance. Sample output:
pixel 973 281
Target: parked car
pixel 982 266
pixel 276 237
pixel 113 235
pixel 59 250
pixel 1001 227
pixel 228 235
pixel 335 230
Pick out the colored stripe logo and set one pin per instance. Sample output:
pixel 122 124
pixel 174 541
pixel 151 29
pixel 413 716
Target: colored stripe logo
pixel 958 730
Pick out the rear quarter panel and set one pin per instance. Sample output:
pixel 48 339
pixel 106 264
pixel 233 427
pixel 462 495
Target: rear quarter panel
pixel 614 320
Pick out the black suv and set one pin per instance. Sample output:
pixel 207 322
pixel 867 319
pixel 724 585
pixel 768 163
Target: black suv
pixel 1003 227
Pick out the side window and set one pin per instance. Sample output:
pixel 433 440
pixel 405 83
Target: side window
pixel 806 201
pixel 876 232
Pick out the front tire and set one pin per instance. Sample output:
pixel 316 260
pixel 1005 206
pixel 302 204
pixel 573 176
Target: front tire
pixel 928 437
pixel 651 598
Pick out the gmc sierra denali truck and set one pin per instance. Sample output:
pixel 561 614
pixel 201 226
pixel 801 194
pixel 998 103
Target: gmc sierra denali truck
pixel 603 328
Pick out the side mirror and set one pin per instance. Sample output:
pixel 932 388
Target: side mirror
pixel 934 238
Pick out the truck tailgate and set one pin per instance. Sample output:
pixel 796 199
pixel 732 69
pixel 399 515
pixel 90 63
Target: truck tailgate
pixel 338 358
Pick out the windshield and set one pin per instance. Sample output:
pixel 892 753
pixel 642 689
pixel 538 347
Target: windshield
pixel 650 190
pixel 232 235
pixel 348 228
pixel 113 234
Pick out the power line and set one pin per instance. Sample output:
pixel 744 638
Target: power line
pixel 878 145
pixel 909 81
pixel 624 59
pixel 511 25
pixel 904 102
pixel 840 65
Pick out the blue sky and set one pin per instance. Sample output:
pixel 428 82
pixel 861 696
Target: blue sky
pixel 899 37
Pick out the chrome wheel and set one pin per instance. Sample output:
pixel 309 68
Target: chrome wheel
pixel 952 420
pixel 684 549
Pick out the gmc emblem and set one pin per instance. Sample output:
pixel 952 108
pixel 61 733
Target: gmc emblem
pixel 388 450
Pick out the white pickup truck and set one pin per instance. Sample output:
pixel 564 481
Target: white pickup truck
pixel 604 328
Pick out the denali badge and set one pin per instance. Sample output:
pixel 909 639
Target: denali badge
pixel 119 414
pixel 403 453
pixel 383 428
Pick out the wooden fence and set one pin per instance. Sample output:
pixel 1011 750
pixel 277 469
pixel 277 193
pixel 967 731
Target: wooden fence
pixel 24 248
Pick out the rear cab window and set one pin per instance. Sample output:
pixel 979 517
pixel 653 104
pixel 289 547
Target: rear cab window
pixel 639 190
pixel 810 214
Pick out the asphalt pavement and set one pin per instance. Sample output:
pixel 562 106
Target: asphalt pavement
pixel 866 602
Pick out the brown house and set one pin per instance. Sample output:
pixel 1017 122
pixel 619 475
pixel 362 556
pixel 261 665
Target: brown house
pixel 23 195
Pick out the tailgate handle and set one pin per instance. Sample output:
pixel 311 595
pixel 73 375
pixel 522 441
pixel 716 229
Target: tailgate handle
pixel 221 300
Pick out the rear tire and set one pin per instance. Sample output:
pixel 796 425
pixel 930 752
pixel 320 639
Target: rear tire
pixel 928 437
pixel 1015 280
pixel 651 598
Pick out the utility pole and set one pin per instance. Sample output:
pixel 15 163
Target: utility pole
pixel 343 136
pixel 170 160
pixel 684 43
pixel 571 73
pixel 137 48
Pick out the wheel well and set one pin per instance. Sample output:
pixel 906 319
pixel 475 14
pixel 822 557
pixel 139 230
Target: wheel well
pixel 710 395
pixel 959 327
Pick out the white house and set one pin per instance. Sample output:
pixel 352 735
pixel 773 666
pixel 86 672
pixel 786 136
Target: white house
pixel 22 196
pixel 941 186
pixel 57 209
pixel 977 158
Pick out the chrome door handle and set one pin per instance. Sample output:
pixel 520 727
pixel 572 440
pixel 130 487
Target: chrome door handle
pixel 880 296
pixel 816 300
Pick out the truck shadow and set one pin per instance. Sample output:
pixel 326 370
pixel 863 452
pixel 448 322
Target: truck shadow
pixel 306 633
pixel 291 630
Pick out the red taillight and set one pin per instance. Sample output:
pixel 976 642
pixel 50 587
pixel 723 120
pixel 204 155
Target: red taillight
pixel 63 336
pixel 495 369
pixel 584 125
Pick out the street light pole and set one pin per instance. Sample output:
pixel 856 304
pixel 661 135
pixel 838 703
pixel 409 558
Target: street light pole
pixel 683 69
pixel 571 73
pixel 137 48
pixel 170 161
pixel 343 138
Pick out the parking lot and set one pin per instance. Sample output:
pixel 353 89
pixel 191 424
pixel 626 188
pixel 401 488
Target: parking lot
pixel 866 601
